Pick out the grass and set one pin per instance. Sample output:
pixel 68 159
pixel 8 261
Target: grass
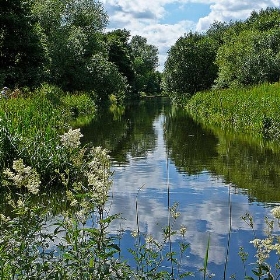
pixel 31 125
pixel 251 111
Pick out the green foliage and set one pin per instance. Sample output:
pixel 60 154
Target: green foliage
pixel 190 65
pixel 250 51
pixel 251 57
pixel 227 55
pixel 75 244
pixel 78 104
pixel 107 79
pixel 21 52
pixel 120 53
pixel 145 61
pixel 72 34
pixel 246 110
pixel 31 123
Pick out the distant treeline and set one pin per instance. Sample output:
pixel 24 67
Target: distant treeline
pixel 64 43
pixel 227 55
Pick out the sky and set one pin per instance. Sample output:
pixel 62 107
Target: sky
pixel 162 22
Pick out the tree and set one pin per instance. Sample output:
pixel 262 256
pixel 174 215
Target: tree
pixel 250 53
pixel 145 62
pixel 190 65
pixel 264 20
pixel 252 57
pixel 74 35
pixel 120 53
pixel 21 52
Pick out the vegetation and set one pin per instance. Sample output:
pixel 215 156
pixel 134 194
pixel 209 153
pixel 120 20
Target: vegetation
pixel 64 43
pixel 228 55
pixel 31 125
pixel 253 110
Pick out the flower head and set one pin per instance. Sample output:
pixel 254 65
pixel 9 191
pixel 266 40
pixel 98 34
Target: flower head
pixel 71 139
pixel 276 212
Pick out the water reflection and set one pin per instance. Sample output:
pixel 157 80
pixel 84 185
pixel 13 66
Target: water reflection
pixel 156 150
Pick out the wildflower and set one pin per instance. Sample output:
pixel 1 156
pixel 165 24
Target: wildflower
pixel 71 139
pixel 20 203
pixel 4 218
pixel 175 215
pixel 149 239
pixel 24 176
pixel 134 233
pixel 256 242
pixel 82 216
pixel 276 212
pixel 183 230
pixel 74 202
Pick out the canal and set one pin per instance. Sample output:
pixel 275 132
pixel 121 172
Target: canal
pixel 162 159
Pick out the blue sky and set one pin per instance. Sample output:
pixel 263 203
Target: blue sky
pixel 162 22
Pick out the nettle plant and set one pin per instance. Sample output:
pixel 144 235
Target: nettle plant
pixel 73 244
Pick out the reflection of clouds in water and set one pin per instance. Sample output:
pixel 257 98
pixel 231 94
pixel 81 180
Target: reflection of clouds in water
pixel 203 202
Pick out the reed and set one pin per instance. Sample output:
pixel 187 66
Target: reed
pixel 252 110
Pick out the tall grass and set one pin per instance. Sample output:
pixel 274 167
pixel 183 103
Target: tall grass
pixel 254 110
pixel 31 125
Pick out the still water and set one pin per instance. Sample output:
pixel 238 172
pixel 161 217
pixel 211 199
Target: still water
pixel 160 157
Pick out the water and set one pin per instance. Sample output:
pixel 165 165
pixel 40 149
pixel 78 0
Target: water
pixel 161 157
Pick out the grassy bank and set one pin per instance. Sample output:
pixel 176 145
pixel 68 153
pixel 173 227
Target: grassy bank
pixel 253 111
pixel 31 125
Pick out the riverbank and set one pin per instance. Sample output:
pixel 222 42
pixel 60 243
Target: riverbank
pixel 31 125
pixel 251 111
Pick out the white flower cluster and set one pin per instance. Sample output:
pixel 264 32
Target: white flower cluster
pixel 71 139
pixel 264 247
pixel 99 174
pixel 276 212
pixel 271 243
pixel 24 176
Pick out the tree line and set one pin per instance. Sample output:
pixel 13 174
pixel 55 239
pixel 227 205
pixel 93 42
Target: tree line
pixel 64 43
pixel 227 55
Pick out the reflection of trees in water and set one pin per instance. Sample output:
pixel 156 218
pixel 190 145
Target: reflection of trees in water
pixel 247 165
pixel 250 167
pixel 132 133
pixel 190 147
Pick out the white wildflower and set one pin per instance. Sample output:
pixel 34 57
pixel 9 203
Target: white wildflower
pixel 24 176
pixel 134 233
pixel 256 242
pixel 18 165
pixel 74 202
pixel 71 139
pixel 4 218
pixel 183 230
pixel 20 203
pixel 149 239
pixel 276 212
pixel 82 216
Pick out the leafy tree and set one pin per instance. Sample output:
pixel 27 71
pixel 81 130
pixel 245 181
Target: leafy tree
pixel 21 53
pixel 120 53
pixel 250 58
pixel 190 65
pixel 106 78
pixel 251 51
pixel 264 20
pixel 78 55
pixel 145 61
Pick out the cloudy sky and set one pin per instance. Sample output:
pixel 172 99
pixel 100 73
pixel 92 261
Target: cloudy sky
pixel 162 22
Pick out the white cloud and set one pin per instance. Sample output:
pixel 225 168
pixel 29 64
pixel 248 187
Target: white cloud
pixel 227 10
pixel 147 18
